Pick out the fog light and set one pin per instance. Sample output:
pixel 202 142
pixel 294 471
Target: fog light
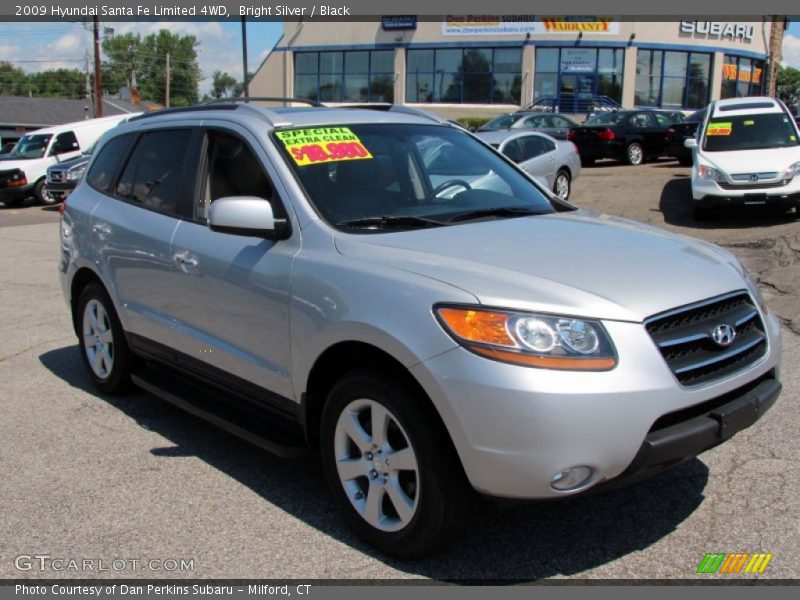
pixel 570 479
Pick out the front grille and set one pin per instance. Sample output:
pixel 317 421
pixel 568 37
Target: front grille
pixel 684 338
pixel 56 176
pixel 754 186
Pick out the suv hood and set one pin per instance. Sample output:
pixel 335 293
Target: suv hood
pixel 765 160
pixel 71 163
pixel 579 263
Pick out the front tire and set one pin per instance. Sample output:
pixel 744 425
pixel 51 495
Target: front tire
pixel 634 154
pixel 104 351
pixel 41 195
pixel 562 186
pixel 397 481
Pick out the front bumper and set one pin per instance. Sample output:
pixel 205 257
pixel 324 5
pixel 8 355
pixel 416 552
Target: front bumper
pixel 718 421
pixel 707 193
pixel 60 191
pixel 515 427
pixel 16 193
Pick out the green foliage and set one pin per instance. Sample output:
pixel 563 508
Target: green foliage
pixel 473 123
pixel 222 84
pixel 788 85
pixel 146 57
pixel 54 83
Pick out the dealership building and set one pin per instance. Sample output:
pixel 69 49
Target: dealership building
pixel 482 64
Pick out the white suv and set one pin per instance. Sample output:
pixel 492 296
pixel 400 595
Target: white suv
pixel 747 151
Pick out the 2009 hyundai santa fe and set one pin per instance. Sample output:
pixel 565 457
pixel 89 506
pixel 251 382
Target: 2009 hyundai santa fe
pixel 384 287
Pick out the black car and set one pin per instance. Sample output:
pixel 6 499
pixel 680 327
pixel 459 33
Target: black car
pixel 631 136
pixel 679 132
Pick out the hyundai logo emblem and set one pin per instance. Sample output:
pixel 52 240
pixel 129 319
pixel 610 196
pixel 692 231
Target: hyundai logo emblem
pixel 723 334
pixel 754 177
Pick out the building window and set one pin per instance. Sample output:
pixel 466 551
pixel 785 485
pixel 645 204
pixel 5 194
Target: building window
pixel 742 77
pixel 576 75
pixel 672 79
pixel 464 76
pixel 349 76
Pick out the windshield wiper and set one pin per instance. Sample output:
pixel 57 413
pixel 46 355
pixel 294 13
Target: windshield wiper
pixel 387 221
pixel 504 211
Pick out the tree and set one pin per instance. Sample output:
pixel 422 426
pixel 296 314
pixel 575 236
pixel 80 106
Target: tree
pixel 53 83
pixel 222 84
pixel 788 85
pixel 144 59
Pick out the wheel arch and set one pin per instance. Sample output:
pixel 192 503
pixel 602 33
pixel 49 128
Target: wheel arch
pixel 347 356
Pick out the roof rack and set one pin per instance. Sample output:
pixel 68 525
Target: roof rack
pixel 243 100
pixel 398 108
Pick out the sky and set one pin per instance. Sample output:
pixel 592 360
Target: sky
pixel 40 46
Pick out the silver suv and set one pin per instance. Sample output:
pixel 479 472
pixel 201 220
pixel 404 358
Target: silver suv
pixel 387 289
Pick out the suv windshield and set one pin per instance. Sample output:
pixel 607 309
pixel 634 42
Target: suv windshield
pixel 609 118
pixel 405 176
pixel 31 146
pixel 750 132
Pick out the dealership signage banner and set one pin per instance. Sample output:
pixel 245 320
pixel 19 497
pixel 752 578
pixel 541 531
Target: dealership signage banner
pixel 398 22
pixel 522 24
pixel 719 29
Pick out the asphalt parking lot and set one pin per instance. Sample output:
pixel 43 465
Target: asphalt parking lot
pixel 86 476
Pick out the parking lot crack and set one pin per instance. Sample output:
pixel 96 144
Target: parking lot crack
pixel 24 350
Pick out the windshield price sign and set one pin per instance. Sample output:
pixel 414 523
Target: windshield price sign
pixel 323 144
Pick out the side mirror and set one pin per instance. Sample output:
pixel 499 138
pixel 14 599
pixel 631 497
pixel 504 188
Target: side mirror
pixel 246 215
pixel 690 143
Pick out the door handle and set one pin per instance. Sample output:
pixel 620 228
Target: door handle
pixel 101 229
pixel 185 261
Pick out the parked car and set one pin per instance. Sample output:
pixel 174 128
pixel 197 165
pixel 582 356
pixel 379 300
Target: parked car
pixel 631 136
pixel 36 151
pixel 553 124
pixel 539 155
pixel 390 291
pixel 679 132
pixel 64 177
pixel 747 152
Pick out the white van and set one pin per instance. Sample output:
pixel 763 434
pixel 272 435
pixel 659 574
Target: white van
pixel 23 172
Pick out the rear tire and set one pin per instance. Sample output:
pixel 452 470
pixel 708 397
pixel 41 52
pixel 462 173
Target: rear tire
pixel 102 342
pixel 634 154
pixel 402 490
pixel 562 186
pixel 587 162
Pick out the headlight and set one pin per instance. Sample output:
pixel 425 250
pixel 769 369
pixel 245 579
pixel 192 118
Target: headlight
pixel 76 174
pixel 532 340
pixel 792 171
pixel 710 173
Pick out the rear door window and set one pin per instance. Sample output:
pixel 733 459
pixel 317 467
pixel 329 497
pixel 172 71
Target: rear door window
pixel 153 175
pixel 107 163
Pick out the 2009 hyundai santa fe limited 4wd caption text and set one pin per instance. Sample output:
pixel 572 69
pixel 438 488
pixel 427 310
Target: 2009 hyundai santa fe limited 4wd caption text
pixel 385 288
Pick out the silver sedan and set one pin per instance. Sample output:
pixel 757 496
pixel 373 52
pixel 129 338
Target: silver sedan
pixel 557 162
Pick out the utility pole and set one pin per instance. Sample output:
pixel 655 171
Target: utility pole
pixel 166 94
pixel 98 80
pixel 244 59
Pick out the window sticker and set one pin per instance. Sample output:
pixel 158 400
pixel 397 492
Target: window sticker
pixel 793 138
pixel 322 144
pixel 749 122
pixel 719 129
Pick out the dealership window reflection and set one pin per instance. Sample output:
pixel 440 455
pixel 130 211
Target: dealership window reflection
pixel 464 75
pixel 346 76
pixel 741 77
pixel 670 79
